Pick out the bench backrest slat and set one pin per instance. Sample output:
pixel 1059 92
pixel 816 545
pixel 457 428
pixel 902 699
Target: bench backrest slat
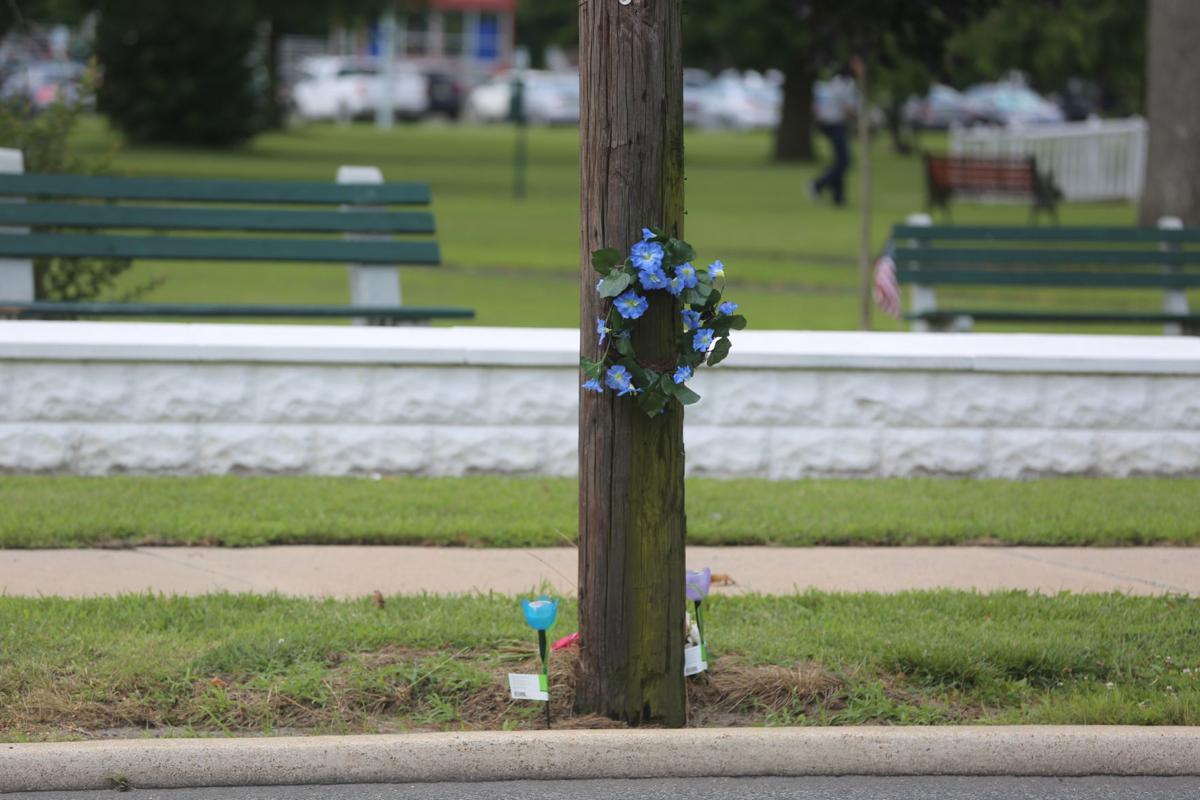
pixel 981 174
pixel 931 256
pixel 202 190
pixel 94 215
pixel 1067 235
pixel 994 277
pixel 218 249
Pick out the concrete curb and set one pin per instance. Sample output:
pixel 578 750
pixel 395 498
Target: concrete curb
pixel 481 756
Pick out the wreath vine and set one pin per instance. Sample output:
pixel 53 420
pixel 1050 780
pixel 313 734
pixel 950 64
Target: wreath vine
pixel 658 263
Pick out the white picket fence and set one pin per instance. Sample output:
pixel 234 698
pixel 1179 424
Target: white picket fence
pixel 1092 160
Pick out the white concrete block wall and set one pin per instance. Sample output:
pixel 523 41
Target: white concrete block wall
pixel 108 398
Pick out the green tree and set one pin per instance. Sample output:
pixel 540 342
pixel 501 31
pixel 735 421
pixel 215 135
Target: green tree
pixel 1052 41
pixel 803 37
pixel 180 72
pixel 543 23
pixel 45 144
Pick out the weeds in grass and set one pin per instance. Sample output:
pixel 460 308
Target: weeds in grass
pixel 239 664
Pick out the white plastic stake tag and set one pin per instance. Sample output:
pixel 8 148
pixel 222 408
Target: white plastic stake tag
pixel 528 687
pixel 692 661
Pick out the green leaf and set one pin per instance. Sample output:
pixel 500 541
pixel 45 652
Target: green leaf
pixel 615 283
pixel 719 351
pixel 591 368
pixel 737 322
pixel 692 297
pixel 652 402
pixel 604 260
pixel 710 302
pixel 679 251
pixel 624 345
pixel 704 290
pixel 686 395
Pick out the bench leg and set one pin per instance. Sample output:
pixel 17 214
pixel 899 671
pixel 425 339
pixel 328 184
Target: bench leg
pixel 16 274
pixel 1174 300
pixel 370 285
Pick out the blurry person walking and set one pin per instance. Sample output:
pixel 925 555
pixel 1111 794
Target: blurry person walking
pixel 835 108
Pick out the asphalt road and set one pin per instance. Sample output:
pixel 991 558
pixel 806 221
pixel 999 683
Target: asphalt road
pixel 844 788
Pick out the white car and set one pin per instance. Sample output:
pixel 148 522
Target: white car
pixel 551 98
pixel 739 103
pixel 331 87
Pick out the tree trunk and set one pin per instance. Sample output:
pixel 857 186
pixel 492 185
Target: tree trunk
pixel 1173 86
pixel 631 516
pixel 794 136
pixel 276 105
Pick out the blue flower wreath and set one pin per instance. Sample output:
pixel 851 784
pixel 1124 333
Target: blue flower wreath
pixel 658 263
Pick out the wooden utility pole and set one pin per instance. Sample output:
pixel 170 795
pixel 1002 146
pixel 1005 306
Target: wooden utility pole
pixel 631 516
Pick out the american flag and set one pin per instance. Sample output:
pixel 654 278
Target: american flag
pixel 887 291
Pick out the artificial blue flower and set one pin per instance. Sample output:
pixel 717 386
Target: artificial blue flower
pixel 593 385
pixel 620 379
pixel 702 340
pixel 727 307
pixel 647 234
pixel 691 319
pixel 601 329
pixel 541 613
pixel 631 305
pixel 688 274
pixel 682 374
pixel 647 255
pixel 653 278
pixel 716 270
pixel 675 286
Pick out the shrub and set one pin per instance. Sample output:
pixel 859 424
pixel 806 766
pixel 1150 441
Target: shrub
pixel 179 72
pixel 44 140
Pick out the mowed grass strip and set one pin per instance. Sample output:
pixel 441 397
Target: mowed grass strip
pixel 238 664
pixel 480 511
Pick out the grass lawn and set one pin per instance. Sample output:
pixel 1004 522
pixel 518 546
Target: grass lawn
pixel 251 664
pixel 791 262
pixel 517 512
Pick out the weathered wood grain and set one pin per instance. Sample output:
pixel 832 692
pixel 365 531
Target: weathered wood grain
pixel 631 512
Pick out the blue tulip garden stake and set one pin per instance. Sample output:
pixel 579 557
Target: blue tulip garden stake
pixel 697 585
pixel 540 615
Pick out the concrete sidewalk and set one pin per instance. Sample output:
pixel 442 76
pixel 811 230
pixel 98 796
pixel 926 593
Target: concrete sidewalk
pixel 359 570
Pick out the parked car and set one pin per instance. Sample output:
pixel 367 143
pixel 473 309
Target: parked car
pixel 38 84
pixel 694 83
pixel 940 108
pixel 490 100
pixel 1009 104
pixel 739 102
pixel 446 94
pixel 333 87
pixel 1079 99
pixel 551 98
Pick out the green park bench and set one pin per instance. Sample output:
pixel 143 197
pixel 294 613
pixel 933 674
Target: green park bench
pixel 65 216
pixel 1084 257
